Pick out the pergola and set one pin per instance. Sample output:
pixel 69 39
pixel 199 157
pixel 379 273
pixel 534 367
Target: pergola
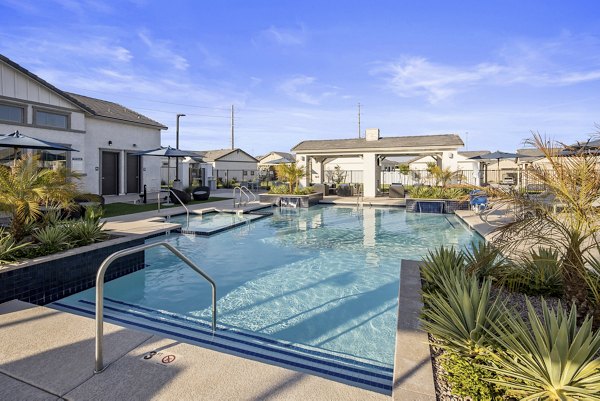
pixel 315 154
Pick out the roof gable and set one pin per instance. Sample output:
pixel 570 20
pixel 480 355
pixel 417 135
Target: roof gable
pixel 221 155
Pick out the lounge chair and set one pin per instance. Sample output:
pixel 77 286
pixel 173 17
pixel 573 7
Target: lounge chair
pixel 201 193
pixel 184 196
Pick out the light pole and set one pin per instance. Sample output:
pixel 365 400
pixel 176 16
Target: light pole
pixel 177 147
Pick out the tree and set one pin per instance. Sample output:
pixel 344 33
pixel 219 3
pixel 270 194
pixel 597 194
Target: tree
pixel 26 189
pixel 291 173
pixel 572 185
pixel 338 175
pixel 442 175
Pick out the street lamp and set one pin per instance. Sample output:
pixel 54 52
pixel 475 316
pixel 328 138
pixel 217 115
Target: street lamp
pixel 177 147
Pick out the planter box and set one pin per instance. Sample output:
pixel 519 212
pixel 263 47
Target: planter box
pixel 416 205
pixel 50 278
pixel 303 200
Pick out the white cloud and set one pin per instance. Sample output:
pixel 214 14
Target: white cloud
pixel 285 36
pixel 305 89
pixel 548 64
pixel 161 49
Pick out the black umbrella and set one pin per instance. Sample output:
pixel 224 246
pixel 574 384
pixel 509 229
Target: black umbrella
pixel 168 152
pixel 497 155
pixel 20 141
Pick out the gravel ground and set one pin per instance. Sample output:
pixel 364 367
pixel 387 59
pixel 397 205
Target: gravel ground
pixel 514 300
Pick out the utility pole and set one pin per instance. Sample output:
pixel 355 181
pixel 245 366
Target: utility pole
pixel 359 121
pixel 232 137
pixel 177 147
pixel 467 144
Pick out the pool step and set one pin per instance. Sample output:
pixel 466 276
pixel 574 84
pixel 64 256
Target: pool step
pixel 361 373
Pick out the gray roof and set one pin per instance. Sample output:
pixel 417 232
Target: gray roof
pixel 115 111
pixel 473 153
pixel 390 142
pixel 91 105
pixel 213 155
pixel 283 155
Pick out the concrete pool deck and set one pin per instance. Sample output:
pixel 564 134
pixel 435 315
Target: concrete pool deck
pixel 49 355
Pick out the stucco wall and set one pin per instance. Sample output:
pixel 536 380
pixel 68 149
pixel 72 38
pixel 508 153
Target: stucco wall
pixel 123 137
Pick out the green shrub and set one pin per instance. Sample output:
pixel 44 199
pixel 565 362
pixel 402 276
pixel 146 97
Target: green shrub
pixel 439 266
pixel 548 358
pixel 52 239
pixel 462 315
pixel 285 190
pixel 539 274
pixel 468 378
pixel 9 248
pixel 592 279
pixel 85 232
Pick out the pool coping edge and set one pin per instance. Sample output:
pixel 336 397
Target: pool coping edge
pixel 413 369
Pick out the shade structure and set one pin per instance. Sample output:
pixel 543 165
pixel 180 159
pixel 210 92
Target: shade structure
pixel 497 155
pixel 589 147
pixel 17 140
pixel 168 152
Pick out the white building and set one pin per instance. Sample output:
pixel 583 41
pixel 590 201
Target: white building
pixel 314 155
pixel 472 171
pixel 106 134
pixel 222 165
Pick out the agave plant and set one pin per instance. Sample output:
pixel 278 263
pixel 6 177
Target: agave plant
pixel 463 315
pixel 541 273
pixel 483 259
pixel 85 231
pixel 52 239
pixel 551 358
pixel 440 266
pixel 9 247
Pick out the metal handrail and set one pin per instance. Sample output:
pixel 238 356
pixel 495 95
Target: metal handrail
pixel 99 365
pixel 246 190
pixel 241 192
pixel 187 211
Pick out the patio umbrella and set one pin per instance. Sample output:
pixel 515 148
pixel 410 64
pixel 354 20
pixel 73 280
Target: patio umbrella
pixel 168 152
pixel 20 141
pixel 497 155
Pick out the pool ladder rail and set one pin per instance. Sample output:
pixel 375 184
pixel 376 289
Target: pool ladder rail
pixel 243 190
pixel 99 364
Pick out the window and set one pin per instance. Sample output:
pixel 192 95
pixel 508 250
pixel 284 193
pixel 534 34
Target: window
pixel 12 113
pixel 244 172
pixel 54 120
pixel 252 172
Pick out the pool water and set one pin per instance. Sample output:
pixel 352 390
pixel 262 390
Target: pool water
pixel 325 277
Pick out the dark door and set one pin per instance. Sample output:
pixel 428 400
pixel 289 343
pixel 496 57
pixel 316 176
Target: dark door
pixel 110 171
pixel 133 174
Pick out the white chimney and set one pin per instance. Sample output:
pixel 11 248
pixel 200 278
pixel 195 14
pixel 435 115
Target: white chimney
pixel 372 134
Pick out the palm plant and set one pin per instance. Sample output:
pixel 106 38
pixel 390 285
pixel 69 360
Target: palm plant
pixel 442 175
pixel 26 189
pixel 540 273
pixel 574 182
pixel 547 359
pixel 52 239
pixel 292 174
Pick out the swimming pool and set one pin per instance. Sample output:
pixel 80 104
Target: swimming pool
pixel 323 281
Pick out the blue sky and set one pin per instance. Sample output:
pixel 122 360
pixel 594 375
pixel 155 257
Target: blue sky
pixel 296 70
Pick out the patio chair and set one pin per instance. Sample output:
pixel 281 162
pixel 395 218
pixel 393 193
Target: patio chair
pixel 478 200
pixel 201 193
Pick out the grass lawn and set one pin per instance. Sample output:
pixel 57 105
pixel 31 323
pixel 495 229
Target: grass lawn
pixel 119 209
